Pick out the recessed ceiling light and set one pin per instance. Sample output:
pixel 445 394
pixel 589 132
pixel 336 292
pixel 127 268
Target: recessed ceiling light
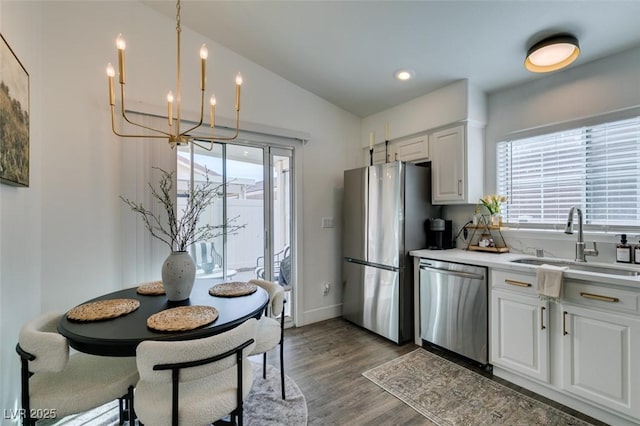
pixel 552 53
pixel 404 74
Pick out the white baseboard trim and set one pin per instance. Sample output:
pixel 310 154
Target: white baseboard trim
pixel 548 392
pixel 320 314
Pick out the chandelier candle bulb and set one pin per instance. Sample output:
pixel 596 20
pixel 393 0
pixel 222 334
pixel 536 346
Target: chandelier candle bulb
pixel 238 84
pixel 110 74
pixel 204 53
pixel 121 45
pixel 170 107
pixel 212 111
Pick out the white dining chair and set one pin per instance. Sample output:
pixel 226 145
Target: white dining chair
pixel 195 382
pixel 57 384
pixel 271 329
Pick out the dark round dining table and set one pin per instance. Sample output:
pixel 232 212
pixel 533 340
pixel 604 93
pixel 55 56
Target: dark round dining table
pixel 120 336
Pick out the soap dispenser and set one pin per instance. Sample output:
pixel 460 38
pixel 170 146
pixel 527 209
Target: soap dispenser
pixel 623 250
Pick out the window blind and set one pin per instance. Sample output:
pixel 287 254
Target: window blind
pixel 596 168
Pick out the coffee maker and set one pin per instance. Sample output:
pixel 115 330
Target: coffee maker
pixel 439 234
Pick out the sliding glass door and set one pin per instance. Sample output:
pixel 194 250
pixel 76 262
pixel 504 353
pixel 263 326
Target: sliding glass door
pixel 255 188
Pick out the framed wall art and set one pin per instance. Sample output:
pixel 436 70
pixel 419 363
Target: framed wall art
pixel 14 118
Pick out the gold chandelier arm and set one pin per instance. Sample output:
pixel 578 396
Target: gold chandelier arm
pixel 195 142
pixel 124 135
pixel 224 139
pixel 124 115
pixel 201 116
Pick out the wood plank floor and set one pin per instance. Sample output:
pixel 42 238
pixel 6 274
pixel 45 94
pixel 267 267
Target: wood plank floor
pixel 327 359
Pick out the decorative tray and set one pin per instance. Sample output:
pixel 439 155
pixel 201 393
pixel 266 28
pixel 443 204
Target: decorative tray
pixel 102 309
pixel 182 318
pixel 233 289
pixel 153 288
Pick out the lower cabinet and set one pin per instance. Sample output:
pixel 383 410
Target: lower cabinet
pixel 586 346
pixel 600 358
pixel 520 338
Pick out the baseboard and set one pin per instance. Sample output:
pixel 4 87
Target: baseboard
pixel 548 392
pixel 320 314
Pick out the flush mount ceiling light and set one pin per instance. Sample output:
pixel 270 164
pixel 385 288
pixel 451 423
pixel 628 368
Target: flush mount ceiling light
pixel 404 74
pixel 173 133
pixel 552 54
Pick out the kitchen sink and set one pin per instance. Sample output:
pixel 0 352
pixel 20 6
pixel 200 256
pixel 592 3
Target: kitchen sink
pixel 578 266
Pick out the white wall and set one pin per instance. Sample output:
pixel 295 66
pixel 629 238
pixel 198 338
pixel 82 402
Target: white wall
pixel 63 237
pixel 21 208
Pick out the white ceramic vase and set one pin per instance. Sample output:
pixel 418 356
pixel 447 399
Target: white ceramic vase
pixel 178 275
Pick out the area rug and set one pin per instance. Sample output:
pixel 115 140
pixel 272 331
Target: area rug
pixel 262 407
pixel 449 394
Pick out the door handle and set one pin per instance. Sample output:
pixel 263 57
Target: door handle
pixel 564 323
pixel 542 327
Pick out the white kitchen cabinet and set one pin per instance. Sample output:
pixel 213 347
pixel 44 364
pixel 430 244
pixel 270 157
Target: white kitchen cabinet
pixel 600 357
pixel 520 334
pixel 413 150
pixel 457 164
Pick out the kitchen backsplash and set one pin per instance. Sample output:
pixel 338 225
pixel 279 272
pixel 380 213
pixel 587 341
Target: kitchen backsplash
pixel 555 243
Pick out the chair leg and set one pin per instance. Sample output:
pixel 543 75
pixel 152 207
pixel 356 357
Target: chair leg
pixel 121 409
pixel 282 367
pixel 264 365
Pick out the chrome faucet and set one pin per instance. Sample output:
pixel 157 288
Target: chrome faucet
pixel 581 252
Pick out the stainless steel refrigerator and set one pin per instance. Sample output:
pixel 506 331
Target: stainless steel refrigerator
pixel 385 207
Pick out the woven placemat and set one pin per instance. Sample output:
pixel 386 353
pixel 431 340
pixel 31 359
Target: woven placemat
pixel 103 309
pixel 233 289
pixel 153 288
pixel 182 318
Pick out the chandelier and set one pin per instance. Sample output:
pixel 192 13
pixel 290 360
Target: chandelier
pixel 173 134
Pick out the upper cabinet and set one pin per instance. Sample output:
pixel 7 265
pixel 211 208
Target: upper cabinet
pixel 415 150
pixel 457 164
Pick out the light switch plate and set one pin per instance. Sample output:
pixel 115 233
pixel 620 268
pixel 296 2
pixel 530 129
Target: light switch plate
pixel 327 222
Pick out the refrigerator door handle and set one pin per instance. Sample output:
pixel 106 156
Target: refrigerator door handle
pixel 454 273
pixel 373 265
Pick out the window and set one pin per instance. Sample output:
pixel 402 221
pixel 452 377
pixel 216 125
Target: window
pixel 596 168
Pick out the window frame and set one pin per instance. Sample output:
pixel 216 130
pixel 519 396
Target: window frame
pixel 584 127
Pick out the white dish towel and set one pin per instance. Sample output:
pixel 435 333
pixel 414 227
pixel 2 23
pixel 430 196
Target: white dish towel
pixel 549 281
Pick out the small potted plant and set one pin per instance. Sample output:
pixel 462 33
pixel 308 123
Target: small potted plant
pixel 179 269
pixel 493 203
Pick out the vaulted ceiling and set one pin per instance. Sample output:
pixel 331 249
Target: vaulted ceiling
pixel 347 51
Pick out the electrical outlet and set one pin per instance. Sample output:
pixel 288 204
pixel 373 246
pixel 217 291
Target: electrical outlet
pixel 326 289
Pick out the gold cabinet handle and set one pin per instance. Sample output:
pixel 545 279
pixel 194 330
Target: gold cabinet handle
pixel 517 283
pixel 599 297
pixel 542 327
pixel 564 323
pixel 396 156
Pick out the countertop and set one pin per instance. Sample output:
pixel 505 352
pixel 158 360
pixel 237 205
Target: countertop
pixel 503 261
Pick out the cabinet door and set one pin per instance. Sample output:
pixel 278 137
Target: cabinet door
pixel 415 149
pixel 520 334
pixel 448 165
pixel 599 358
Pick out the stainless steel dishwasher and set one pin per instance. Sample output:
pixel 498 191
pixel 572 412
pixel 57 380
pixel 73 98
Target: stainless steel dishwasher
pixel 453 308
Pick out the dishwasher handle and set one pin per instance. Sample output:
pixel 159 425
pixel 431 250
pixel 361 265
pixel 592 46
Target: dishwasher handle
pixel 426 267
